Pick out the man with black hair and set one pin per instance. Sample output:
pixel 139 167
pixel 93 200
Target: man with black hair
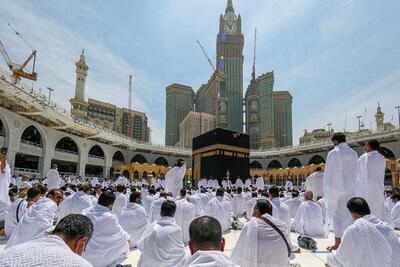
pixel 161 243
pixel 148 200
pixel 206 244
pixel 220 209
pixel 367 242
pixel 315 183
pixel 133 218
pixel 37 220
pixel 120 199
pixel 155 208
pixel 263 240
pixel 62 247
pixel 238 202
pixel 283 213
pixel 76 203
pixel 370 179
pixel 109 245
pixel 17 209
pixel 293 203
pixel 185 213
pixel 339 185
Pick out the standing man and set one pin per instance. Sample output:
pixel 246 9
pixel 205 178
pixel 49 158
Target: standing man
pixel 315 183
pixel 260 183
pixel 339 185
pixel 174 177
pixel 53 178
pixel 370 178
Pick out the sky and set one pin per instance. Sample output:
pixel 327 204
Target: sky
pixel 337 58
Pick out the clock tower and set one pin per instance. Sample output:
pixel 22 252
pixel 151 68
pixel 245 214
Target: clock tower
pixel 230 41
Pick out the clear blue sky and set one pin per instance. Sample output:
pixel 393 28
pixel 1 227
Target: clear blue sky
pixel 335 57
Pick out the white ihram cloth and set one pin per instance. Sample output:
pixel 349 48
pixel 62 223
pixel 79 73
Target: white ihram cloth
pixel 36 222
pixel 220 209
pixel 247 183
pixel 120 202
pixel 308 220
pixel 74 204
pixel 389 234
pixel 239 183
pixel 53 179
pixel 94 181
pixel 238 203
pixel 197 202
pixel 339 186
pixel 289 185
pixel 293 204
pixel 370 181
pixel 133 219
pixel 260 183
pixel 5 180
pixel 148 200
pixel 362 245
pixel 249 207
pixel 122 180
pixel 184 215
pixel 315 184
pixel 259 245
pixel 43 252
pixel 395 213
pixel 211 258
pixel 161 244
pixel 173 180
pixel 11 220
pixel 109 243
pixel 155 209
pixel 283 213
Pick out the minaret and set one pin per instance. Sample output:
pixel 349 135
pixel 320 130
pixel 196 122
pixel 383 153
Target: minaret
pixel 78 103
pixel 379 118
pixel 81 73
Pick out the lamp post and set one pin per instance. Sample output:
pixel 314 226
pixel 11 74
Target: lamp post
pixel 50 90
pixel 398 113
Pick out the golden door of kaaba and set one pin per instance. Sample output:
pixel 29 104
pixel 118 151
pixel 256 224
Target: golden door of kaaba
pixel 220 154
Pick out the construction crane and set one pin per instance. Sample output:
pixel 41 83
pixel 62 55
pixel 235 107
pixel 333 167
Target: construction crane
pixel 363 119
pixel 207 57
pixel 18 69
pixel 130 93
pixel 253 73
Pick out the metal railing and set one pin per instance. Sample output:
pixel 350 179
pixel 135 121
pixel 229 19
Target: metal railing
pixel 66 151
pixel 25 170
pixel 26 142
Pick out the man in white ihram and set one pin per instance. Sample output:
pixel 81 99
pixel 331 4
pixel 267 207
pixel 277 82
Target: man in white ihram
pixel 260 183
pixel 76 203
pixel 174 177
pixel 315 183
pixel 220 209
pixel 308 220
pixel 161 243
pixel 53 178
pixel 362 243
pixel 339 185
pixel 185 213
pixel 370 178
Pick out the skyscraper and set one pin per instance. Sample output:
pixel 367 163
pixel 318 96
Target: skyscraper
pixel 282 118
pixel 180 100
pixel 193 125
pixel 230 41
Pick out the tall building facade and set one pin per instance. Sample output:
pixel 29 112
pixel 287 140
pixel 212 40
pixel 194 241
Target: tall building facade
pixel 180 101
pixel 282 102
pixel 206 99
pixel 195 124
pixel 105 114
pixel 230 42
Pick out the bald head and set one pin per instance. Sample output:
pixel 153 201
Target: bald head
pixel 308 195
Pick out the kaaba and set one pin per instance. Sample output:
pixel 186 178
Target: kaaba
pixel 220 154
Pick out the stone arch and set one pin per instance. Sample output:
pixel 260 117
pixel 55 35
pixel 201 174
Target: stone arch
pixel 274 165
pixel 97 152
pixel 294 162
pixel 316 159
pixel 32 135
pixel 387 153
pixel 139 158
pixel 161 161
pixel 118 157
pixel 255 165
pixel 66 143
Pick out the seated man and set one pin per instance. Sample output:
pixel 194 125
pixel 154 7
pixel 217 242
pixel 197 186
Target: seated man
pixel 362 244
pixel 207 244
pixel 133 218
pixel 238 203
pixel 155 208
pixel 259 243
pixel 220 209
pixel 37 220
pixel 161 243
pixel 293 203
pixel 109 244
pixel 17 209
pixel 76 203
pixel 185 213
pixel 308 219
pixel 120 200
pixel 61 248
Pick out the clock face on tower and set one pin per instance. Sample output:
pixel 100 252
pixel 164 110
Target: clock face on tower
pixel 230 27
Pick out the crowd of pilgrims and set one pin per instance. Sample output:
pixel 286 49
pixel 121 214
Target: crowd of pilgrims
pixel 63 222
